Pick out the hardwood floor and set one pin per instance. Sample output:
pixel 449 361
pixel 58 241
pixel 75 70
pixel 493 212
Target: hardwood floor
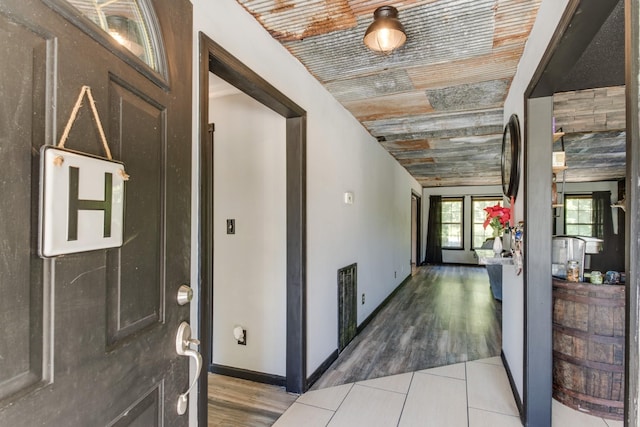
pixel 442 315
pixel 233 402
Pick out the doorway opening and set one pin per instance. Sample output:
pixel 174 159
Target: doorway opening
pixel 585 58
pixel 214 59
pixel 249 224
pixel 416 214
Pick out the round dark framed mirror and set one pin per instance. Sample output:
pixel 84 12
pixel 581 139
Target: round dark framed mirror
pixel 511 157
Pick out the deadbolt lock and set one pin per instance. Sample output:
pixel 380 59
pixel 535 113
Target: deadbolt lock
pixel 185 294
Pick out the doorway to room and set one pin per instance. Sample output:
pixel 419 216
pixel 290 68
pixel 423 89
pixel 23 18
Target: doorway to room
pixel 416 212
pixel 249 222
pixel 214 59
pixel 582 67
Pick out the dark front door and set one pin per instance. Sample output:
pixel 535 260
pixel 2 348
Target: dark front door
pixel 89 339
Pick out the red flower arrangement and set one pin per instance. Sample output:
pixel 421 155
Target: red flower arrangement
pixel 498 218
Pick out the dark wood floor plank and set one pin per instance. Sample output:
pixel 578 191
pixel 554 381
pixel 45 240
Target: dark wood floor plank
pixel 443 315
pixel 234 402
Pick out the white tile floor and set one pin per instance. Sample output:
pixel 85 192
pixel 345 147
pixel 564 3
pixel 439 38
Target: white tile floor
pixel 471 394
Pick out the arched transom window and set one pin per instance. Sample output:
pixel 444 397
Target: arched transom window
pixel 129 23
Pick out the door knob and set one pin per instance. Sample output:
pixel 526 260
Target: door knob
pixel 183 348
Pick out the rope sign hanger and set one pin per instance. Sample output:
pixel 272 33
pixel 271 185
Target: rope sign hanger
pixel 86 90
pixel 82 196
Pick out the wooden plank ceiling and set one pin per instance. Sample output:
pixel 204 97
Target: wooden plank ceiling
pixel 435 104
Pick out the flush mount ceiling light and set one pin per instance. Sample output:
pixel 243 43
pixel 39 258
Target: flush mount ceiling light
pixel 385 33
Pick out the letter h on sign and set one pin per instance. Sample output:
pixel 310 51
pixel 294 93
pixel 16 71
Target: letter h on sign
pixel 81 202
pixel 76 204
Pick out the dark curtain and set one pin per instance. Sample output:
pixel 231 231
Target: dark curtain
pixel 610 258
pixel 434 231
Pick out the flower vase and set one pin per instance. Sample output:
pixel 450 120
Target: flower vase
pixel 497 246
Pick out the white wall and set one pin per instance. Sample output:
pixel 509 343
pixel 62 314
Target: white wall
pixel 512 324
pixel 545 25
pixel 341 156
pixel 466 255
pixel 249 266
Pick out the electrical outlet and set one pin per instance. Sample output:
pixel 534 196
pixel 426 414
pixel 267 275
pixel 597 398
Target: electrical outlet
pixel 243 341
pixel 240 334
pixel 362 299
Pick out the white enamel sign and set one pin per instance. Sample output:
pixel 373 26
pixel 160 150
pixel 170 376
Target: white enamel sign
pixel 81 202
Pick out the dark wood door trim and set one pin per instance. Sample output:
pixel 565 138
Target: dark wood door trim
pixel 205 243
pixel 296 369
pixel 632 218
pixel 537 331
pixel 418 197
pixel 220 62
pixel 538 363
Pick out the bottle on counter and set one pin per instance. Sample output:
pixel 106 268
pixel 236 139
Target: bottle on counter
pixel 573 271
pixel 596 277
pixel 612 278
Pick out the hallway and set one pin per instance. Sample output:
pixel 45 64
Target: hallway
pixel 440 316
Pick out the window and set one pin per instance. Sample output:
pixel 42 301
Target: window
pixel 127 22
pixel 478 232
pixel 452 218
pixel 578 216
